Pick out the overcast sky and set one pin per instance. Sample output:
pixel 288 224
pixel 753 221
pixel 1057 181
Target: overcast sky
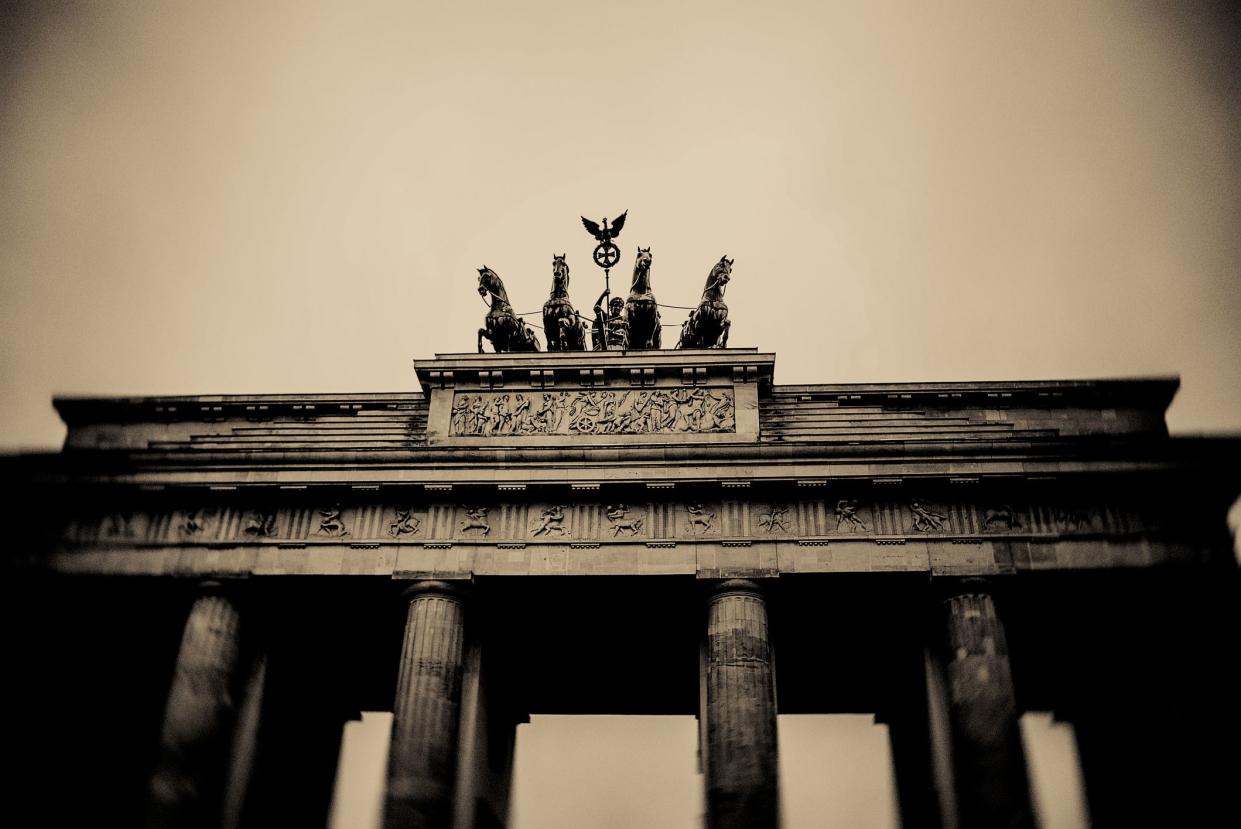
pixel 295 196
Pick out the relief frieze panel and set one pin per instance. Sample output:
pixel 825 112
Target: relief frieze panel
pixel 551 523
pixel 838 516
pixel 1001 517
pixel 695 410
pixel 846 516
pixel 624 520
pixel 330 522
pixel 926 518
pixel 403 523
pixel 775 519
pixel 700 519
pixel 474 521
pixel 259 523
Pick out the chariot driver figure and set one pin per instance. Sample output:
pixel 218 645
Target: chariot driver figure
pixel 610 329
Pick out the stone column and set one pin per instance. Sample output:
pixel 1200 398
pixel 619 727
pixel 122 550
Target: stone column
pixel 987 757
pixel 742 778
pixel 422 759
pixel 188 784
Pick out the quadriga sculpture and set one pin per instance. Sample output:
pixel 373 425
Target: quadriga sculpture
pixel 505 331
pixel 707 326
pixel 562 325
pixel 641 310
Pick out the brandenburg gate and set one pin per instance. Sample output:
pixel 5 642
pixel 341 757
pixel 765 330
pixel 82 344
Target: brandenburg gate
pixel 202 591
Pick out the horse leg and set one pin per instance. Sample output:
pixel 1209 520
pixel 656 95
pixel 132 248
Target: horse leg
pixel 657 334
pixel 482 332
pixel 723 341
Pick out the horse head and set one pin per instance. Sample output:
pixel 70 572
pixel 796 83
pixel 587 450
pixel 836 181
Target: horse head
pixel 489 283
pixel 718 278
pixel 560 275
pixel 642 271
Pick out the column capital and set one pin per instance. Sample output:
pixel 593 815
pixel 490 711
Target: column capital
pixel 729 587
pixel 949 588
pixel 447 589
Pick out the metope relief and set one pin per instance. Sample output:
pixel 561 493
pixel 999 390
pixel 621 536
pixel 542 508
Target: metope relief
pixel 618 412
pixel 260 524
pixel 551 522
pixel 698 519
pixel 475 519
pixel 1001 517
pixel 847 519
pixel 331 523
pixel 621 521
pixel 775 519
pixel 193 523
pixel 403 523
pixel 926 519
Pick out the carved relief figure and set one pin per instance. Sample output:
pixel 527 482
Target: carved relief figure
pixel 502 327
pixel 330 522
pixel 562 325
pixel 846 515
pixel 776 519
pixel 641 310
pixel 619 412
pixel 708 324
pixel 404 523
pixel 552 522
pixel 475 519
pixel 926 519
pixel 616 514
pixel 194 523
pixel 547 418
pixel 699 516
pixel 259 523
pixel 1002 514
pixel 460 421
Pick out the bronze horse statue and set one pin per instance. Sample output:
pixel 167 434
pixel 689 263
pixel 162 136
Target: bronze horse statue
pixel 641 310
pixel 707 326
pixel 562 325
pixel 505 331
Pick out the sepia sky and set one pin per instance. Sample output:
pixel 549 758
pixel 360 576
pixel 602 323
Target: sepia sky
pixel 235 197
pixel 294 196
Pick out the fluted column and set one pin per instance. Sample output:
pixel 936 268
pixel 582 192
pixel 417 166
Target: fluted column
pixel 742 777
pixel 422 760
pixel 988 760
pixel 188 784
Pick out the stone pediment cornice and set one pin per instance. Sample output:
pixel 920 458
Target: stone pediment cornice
pixel 760 464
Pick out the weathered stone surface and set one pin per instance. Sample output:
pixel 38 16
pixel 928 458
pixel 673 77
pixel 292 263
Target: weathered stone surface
pixel 422 759
pixel 189 781
pixel 740 716
pixel 642 479
pixel 988 759
pixel 688 411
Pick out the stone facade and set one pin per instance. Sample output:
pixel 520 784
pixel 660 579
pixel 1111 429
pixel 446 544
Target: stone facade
pixel 976 542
